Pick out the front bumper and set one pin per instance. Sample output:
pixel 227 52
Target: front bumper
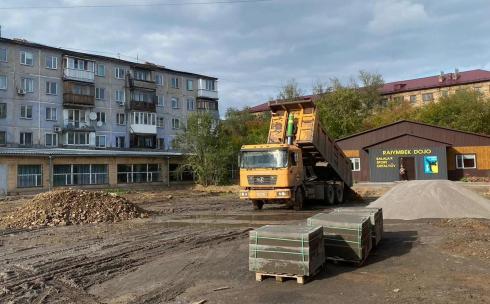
pixel 265 194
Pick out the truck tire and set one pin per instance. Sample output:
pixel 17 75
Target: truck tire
pixel 330 194
pixel 299 200
pixel 257 204
pixel 339 193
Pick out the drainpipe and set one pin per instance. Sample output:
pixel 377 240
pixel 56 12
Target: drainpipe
pixel 168 171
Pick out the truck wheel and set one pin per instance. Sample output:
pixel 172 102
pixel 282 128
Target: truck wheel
pixel 339 193
pixel 257 204
pixel 299 200
pixel 330 194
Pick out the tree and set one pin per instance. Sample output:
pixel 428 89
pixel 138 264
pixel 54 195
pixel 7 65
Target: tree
pixel 206 149
pixel 394 111
pixel 290 91
pixel 465 110
pixel 371 84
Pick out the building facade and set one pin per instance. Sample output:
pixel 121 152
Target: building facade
pixel 423 151
pixel 52 98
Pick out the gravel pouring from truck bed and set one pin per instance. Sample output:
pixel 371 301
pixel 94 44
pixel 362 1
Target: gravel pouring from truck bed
pixel 67 207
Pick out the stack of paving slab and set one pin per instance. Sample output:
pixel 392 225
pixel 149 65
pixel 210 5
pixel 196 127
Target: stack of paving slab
pixel 346 236
pixel 286 251
pixel 375 218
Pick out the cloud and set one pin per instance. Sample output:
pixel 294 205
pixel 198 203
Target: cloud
pixel 396 15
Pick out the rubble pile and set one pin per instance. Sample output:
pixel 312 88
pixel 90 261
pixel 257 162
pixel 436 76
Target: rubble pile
pixel 70 207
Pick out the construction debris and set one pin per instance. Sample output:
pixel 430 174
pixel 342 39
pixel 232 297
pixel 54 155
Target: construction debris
pixel 71 207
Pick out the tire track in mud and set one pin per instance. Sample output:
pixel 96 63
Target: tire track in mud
pixel 69 274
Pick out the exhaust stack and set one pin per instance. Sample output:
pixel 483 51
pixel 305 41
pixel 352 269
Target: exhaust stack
pixel 290 129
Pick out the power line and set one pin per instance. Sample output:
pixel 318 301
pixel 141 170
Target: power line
pixel 131 5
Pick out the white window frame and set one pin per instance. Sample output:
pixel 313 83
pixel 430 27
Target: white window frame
pixel 191 87
pixel 101 116
pixel 77 135
pixel 191 101
pixel 119 96
pixel 414 100
pixel 97 65
pixel 118 141
pixel 51 117
pixel 354 161
pixel 97 141
pixel 54 139
pixel 22 139
pixel 98 94
pixel 24 108
pixel 426 99
pixel 160 101
pixel 176 105
pixel 118 71
pixel 6 82
pixel 175 123
pixel 160 122
pixel 159 79
pixel 6 58
pixel 37 177
pixel 49 88
pixel 118 119
pixel 24 58
pixel 175 83
pixel 51 62
pixel 210 85
pixel 462 157
pixel 27 84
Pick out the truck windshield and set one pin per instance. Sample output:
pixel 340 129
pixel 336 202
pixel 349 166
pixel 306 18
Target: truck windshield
pixel 264 159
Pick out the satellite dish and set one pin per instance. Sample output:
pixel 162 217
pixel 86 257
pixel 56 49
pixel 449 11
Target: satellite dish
pixel 99 124
pixel 92 116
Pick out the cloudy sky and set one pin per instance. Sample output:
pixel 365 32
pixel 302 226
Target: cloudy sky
pixel 254 48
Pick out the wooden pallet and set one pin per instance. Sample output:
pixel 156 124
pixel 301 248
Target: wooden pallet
pixel 341 260
pixel 259 277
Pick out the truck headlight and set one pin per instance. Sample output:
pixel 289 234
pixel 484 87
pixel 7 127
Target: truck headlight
pixel 244 194
pixel 282 193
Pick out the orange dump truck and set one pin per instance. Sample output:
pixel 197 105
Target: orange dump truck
pixel 299 162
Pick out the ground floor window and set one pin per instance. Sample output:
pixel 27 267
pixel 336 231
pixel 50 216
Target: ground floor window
pixel 29 176
pixel 356 163
pixel 138 173
pixel 466 161
pixel 64 175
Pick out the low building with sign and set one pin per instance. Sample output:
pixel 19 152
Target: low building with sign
pixel 413 150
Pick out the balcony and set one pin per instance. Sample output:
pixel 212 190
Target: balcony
pixel 142 141
pixel 78 100
pixel 79 75
pixel 142 106
pixel 143 129
pixel 77 126
pixel 207 94
pixel 142 84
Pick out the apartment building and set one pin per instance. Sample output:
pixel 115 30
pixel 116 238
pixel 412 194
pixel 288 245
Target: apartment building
pixel 421 91
pixel 53 99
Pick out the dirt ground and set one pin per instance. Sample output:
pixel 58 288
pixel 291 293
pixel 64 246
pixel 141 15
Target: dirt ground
pixel 195 248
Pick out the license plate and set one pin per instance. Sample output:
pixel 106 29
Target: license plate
pixel 261 194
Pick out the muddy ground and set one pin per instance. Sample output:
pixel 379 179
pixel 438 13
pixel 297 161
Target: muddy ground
pixel 195 248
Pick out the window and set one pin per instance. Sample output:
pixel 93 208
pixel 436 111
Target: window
pixel 398 99
pixel 3 82
pixel 119 95
pixel 413 98
pixel 175 123
pixel 100 141
pixel 159 79
pixel 51 140
pixel 477 89
pixel 190 104
pixel 142 75
pixel 210 85
pixel 3 138
pixel 51 62
pixel 175 103
pixel 26 58
pixel 101 117
pixel 120 142
pixel 64 175
pixel 26 112
pixel 100 70
pixel 51 114
pixel 25 139
pixel 119 73
pixel 140 96
pixel 27 84
pixel 161 143
pixel 160 122
pixel 3 110
pixel 175 82
pixel 121 119
pixel 427 97
pixel 76 116
pixel 51 88
pixel 143 118
pixel 100 93
pixel 190 85
pixel 3 54
pixel 79 64
pixel 356 164
pixel 77 138
pixel 445 93
pixel 29 176
pixel 138 173
pixel 466 161
pixel 160 101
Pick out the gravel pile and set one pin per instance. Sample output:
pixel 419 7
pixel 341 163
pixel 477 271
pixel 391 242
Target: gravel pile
pixel 432 199
pixel 69 207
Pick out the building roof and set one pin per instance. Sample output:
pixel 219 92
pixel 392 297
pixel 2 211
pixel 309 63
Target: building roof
pixel 62 152
pixel 439 81
pixel 263 107
pixel 146 65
